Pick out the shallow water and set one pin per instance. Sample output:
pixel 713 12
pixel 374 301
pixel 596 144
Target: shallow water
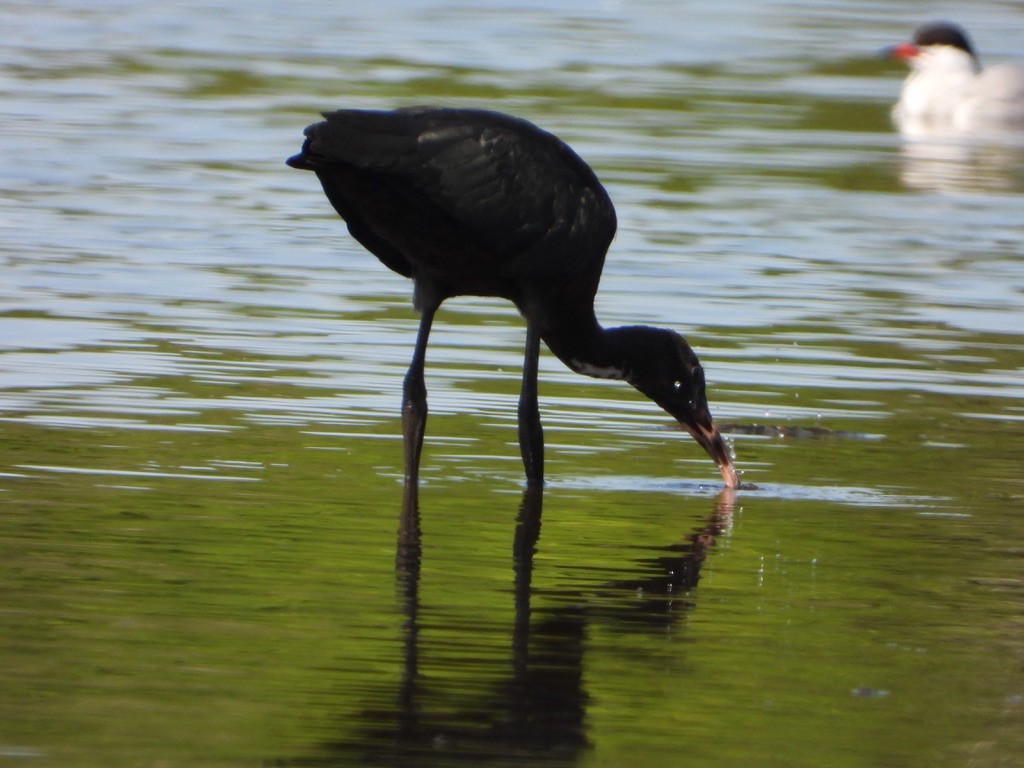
pixel 200 375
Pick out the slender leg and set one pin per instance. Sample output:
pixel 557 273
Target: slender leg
pixel 414 403
pixel 531 434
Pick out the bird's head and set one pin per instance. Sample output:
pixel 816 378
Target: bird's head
pixel 663 367
pixel 939 45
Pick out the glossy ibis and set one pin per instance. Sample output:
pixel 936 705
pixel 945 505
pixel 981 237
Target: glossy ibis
pixel 473 202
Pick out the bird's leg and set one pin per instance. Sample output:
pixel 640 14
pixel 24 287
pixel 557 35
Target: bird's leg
pixel 414 398
pixel 531 434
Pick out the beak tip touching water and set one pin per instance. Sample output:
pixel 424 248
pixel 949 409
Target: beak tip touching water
pixel 711 440
pixel 732 480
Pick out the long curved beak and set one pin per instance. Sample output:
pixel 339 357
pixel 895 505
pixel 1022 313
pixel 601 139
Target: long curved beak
pixel 711 440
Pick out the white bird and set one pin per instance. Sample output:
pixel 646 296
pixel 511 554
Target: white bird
pixel 948 91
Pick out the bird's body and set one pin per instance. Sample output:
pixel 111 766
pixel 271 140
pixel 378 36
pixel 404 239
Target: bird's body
pixel 468 202
pixel 948 92
pixel 472 202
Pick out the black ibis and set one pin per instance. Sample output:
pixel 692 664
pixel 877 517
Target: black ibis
pixel 474 202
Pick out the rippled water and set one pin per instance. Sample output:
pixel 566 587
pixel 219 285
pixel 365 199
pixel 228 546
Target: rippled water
pixel 200 375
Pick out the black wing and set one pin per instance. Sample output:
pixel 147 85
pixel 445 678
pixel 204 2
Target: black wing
pixel 515 191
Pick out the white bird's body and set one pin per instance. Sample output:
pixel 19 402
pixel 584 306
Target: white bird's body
pixel 949 91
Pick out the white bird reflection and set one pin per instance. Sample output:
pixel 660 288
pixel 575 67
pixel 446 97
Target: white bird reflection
pixel 945 161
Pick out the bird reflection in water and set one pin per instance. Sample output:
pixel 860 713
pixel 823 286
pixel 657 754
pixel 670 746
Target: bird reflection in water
pixel 537 710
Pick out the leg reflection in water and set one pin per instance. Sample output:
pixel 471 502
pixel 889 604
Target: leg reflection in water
pixel 536 709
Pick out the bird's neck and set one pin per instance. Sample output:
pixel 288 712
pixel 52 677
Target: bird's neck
pixel 588 348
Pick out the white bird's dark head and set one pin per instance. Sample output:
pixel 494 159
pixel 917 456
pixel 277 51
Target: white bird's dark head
pixel 938 45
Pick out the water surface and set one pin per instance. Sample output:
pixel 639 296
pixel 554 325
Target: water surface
pixel 200 561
